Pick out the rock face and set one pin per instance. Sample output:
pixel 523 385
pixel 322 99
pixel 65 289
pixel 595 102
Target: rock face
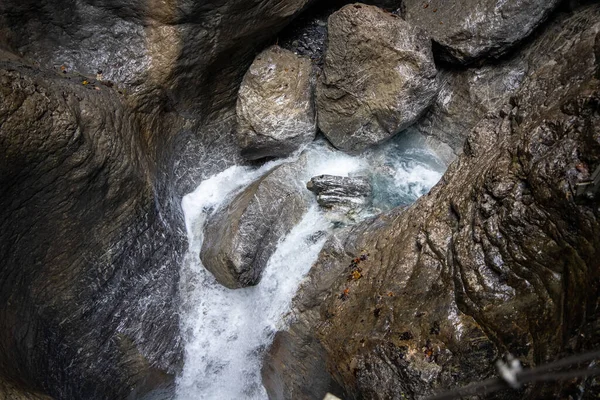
pixel 466 30
pixel 83 243
pixel 501 256
pixel 90 227
pixel 240 238
pixel 340 191
pixel 275 110
pixel 378 78
pixel 179 52
pixel 465 98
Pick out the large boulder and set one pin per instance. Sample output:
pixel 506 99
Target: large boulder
pixel 468 30
pixel 501 256
pixel 240 238
pixel 275 107
pixel 378 78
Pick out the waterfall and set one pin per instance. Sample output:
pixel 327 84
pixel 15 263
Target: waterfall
pixel 226 331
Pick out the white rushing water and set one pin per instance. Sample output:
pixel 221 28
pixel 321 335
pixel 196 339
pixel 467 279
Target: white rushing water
pixel 227 331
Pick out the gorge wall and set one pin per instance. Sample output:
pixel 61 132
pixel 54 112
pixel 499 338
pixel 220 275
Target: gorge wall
pixel 92 173
pixel 501 256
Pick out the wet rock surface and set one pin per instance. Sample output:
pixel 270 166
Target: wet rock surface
pixel 92 175
pixel 275 106
pixel 74 179
pixel 307 34
pixel 178 52
pixel 467 31
pixel 340 191
pixel 468 96
pixel 500 257
pixel 378 77
pixel 240 238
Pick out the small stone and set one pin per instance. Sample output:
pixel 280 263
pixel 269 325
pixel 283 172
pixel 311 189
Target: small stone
pixel 340 192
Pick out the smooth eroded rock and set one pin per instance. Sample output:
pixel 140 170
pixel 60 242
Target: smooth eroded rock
pixel 468 30
pixel 378 78
pixel 340 191
pixel 240 238
pixel 87 254
pixel 193 53
pixel 500 257
pixel 275 110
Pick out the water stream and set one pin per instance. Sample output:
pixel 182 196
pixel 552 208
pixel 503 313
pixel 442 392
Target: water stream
pixel 227 331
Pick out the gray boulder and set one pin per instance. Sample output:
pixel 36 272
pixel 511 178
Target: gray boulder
pixel 378 78
pixel 240 238
pixel 468 30
pixel 275 110
pixel 340 191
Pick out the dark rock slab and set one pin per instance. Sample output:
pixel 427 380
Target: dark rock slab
pixel 468 30
pixel 378 77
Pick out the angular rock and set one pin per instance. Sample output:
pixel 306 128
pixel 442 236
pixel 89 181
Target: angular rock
pixel 378 78
pixel 500 257
pixel 465 97
pixel 468 30
pixel 340 191
pixel 275 110
pixel 240 238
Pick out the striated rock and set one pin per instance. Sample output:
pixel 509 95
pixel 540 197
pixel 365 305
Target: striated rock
pixel 275 111
pixel 378 78
pixel 240 238
pixel 91 176
pixel 83 244
pixel 340 191
pixel 500 257
pixel 467 31
pixel 179 54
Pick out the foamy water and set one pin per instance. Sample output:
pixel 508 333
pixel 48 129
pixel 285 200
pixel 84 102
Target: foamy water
pixel 226 331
